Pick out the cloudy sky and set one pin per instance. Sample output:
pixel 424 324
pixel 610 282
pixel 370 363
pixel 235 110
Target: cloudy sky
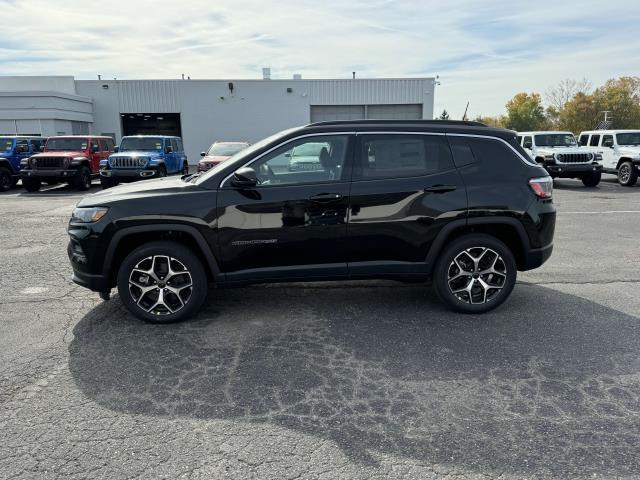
pixel 482 53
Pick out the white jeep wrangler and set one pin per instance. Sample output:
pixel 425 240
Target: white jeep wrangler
pixel 561 156
pixel 619 150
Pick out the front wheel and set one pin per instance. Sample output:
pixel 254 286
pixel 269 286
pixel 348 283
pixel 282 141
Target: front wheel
pixel 6 179
pixel 627 174
pixel 592 179
pixel 185 169
pixel 162 282
pixel 82 180
pixel 162 171
pixel 475 274
pixel 31 184
pixel 106 182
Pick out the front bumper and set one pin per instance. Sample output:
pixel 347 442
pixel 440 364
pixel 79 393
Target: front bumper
pixel 78 259
pixel 129 174
pixel 572 170
pixel 63 173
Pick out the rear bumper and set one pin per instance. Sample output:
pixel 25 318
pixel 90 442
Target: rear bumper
pixel 572 170
pixel 535 257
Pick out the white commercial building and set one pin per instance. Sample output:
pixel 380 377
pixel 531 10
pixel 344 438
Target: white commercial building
pixel 202 111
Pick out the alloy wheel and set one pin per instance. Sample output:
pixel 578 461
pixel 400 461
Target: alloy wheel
pixel 476 275
pixel 160 285
pixel 625 173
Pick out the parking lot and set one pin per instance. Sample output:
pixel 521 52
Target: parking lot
pixel 351 380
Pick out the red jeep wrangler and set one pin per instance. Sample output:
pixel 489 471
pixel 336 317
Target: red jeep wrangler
pixel 70 158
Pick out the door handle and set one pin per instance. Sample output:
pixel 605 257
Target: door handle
pixel 440 188
pixel 326 197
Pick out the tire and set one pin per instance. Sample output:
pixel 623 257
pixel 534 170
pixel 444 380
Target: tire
pixel 106 182
pixel 82 180
pixel 6 179
pixel 31 184
pixel 448 277
pixel 185 169
pixel 154 257
pixel 592 179
pixel 162 171
pixel 627 174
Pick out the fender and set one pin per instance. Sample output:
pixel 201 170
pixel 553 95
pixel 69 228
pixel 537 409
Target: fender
pixel 438 243
pixel 197 236
pixel 4 162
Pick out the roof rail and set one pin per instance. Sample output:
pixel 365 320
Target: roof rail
pixel 403 122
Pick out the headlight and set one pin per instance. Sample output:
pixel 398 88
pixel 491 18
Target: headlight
pixel 24 162
pixel 33 162
pixel 77 160
pixel 88 215
pixel 142 162
pixel 560 157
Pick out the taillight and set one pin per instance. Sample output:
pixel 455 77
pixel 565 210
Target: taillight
pixel 542 186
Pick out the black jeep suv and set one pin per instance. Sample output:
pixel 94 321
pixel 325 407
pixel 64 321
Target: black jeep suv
pixel 455 202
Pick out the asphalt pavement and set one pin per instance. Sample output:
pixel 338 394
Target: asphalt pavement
pixel 355 380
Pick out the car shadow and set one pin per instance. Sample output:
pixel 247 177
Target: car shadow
pixel 548 383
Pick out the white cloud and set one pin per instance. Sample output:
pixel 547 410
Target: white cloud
pixel 483 53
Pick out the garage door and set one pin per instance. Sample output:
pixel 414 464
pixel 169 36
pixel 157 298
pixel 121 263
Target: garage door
pixel 395 112
pixel 326 113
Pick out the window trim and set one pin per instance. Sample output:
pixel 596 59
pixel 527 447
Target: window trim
pixel 255 159
pixel 524 160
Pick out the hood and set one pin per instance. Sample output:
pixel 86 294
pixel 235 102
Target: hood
pixel 146 189
pixel 215 158
pixel 552 150
pixel 138 153
pixel 55 153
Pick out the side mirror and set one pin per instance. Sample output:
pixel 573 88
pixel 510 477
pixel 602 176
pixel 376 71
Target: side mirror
pixel 203 154
pixel 288 154
pixel 94 149
pixel 244 177
pixel 608 143
pixel 168 149
pixel 116 149
pixel 528 145
pixel 41 148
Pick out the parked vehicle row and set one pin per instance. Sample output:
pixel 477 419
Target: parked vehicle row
pixel 615 152
pixel 456 202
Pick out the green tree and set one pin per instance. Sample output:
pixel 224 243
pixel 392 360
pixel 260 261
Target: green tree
pixel 621 97
pixel 578 114
pixel 444 115
pixel 525 112
pixel 497 122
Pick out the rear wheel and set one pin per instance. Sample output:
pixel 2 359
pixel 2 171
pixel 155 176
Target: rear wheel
pixel 627 174
pixel 82 180
pixel 475 274
pixel 592 179
pixel 6 179
pixel 185 169
pixel 31 184
pixel 162 282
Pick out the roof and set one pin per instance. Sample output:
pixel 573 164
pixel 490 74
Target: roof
pixel 610 131
pixel 150 135
pixel 436 126
pixel 22 136
pixel 79 136
pixel 545 132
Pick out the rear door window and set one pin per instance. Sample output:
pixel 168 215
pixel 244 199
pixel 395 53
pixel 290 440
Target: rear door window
pixel 403 155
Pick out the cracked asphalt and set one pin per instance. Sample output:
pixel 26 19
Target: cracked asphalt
pixel 354 380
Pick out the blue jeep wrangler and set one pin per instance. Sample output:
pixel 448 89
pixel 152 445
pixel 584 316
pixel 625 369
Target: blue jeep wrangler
pixel 144 156
pixel 14 149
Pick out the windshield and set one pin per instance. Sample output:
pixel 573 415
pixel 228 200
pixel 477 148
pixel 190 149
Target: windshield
pixel 247 152
pixel 631 138
pixel 6 144
pixel 131 144
pixel 225 149
pixel 66 144
pixel 555 140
